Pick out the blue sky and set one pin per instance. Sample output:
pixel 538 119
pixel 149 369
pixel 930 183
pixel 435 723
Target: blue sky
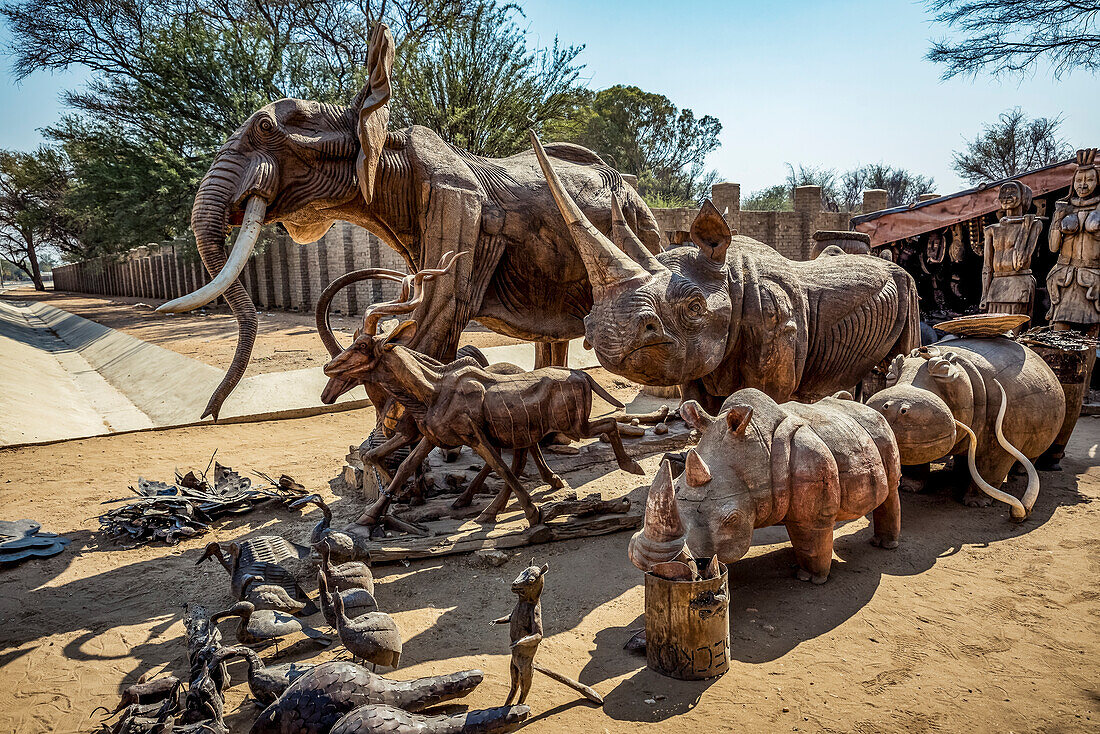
pixel 833 84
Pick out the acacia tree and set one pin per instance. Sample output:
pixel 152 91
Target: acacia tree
pixel 1010 146
pixel 479 85
pixel 33 187
pixel 644 134
pixel 1013 36
pixel 902 187
pixel 173 78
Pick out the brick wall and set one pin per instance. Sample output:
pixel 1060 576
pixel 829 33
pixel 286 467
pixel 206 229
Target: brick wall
pixel 289 276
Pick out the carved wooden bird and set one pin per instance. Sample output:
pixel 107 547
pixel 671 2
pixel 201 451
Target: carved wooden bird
pixel 321 697
pixel 356 601
pixel 342 545
pixel 269 596
pixel 258 627
pixel 350 575
pixel 378 718
pixel 373 636
pixel 267 682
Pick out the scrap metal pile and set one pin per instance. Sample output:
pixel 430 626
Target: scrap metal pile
pixel 185 509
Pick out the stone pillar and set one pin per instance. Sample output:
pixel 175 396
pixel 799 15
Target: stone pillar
pixel 726 196
pixel 875 200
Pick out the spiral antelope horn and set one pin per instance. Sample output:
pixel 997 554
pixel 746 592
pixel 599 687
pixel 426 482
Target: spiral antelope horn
pixel 412 293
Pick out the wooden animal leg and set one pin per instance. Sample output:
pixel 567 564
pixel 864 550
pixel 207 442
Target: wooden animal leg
pixel 374 456
pixel 514 671
pixel 813 549
pixel 887 521
pixel 545 472
pixel 610 428
pixel 490 455
pixel 525 676
pixel 489 514
pixel 467 497
pixel 376 511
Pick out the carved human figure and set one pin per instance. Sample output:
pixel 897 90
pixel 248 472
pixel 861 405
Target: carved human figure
pixel 1074 281
pixel 1007 283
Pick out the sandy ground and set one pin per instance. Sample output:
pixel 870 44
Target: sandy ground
pixel 286 340
pixel 975 624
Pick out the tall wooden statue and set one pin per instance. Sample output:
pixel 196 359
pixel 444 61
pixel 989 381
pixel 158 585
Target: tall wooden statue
pixel 1074 282
pixel 1007 283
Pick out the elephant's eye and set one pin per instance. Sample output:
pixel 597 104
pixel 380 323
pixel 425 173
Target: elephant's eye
pixel 266 124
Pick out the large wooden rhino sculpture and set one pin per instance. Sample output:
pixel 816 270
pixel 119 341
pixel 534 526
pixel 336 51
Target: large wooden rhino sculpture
pixel 715 318
pixel 759 464
pixel 307 164
pixel 992 399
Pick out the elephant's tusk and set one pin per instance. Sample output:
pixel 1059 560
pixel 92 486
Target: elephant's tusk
pixel 246 241
pixel 1019 512
pixel 1032 492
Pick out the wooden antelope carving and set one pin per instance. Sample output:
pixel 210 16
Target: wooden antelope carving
pixel 460 403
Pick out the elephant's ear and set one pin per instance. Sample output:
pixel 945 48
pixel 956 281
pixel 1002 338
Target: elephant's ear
pixel 374 109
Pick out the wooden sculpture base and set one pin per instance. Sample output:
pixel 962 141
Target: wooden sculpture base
pixel 436 529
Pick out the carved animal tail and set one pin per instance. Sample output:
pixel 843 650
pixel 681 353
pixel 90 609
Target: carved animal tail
pixel 1020 510
pixel 422 693
pixel 581 688
pixel 598 389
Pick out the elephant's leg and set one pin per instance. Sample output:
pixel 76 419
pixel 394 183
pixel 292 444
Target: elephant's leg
pixel 813 549
pixel 610 428
pixel 545 471
pixel 542 355
pixel 377 511
pixel 887 521
pixel 914 478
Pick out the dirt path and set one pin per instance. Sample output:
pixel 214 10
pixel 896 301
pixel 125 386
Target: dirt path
pixel 974 624
pixel 286 340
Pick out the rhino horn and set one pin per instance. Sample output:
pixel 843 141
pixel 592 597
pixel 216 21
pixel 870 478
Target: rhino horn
pixel 696 470
pixel 609 268
pixel 662 514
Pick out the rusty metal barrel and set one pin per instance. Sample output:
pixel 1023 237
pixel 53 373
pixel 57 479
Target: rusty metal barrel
pixel 687 626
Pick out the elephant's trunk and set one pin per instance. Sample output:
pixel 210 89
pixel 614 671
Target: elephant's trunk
pixel 210 223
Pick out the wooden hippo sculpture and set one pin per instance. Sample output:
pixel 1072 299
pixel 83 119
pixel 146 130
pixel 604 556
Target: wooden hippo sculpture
pixel 760 463
pixel 990 397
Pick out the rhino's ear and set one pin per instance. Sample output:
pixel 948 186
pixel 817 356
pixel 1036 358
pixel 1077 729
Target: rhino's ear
pixel 710 233
pixel 738 419
pixel 372 105
pixel 694 415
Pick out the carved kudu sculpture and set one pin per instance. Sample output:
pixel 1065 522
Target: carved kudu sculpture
pixel 308 164
pixel 714 318
pixel 461 404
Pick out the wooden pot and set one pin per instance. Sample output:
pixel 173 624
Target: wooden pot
pixel 687 626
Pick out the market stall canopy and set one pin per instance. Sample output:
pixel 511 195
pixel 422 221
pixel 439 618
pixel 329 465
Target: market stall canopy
pixel 891 225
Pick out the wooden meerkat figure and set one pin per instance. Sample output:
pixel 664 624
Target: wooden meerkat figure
pixel 526 633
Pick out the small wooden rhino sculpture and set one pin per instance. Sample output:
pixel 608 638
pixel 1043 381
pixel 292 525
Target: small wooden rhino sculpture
pixel 760 463
pixel 994 391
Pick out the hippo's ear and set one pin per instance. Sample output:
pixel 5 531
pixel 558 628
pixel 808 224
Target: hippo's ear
pixel 694 415
pixel 943 368
pixel 738 419
pixel 710 233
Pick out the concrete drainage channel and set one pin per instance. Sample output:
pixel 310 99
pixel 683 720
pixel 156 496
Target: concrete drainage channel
pixel 63 376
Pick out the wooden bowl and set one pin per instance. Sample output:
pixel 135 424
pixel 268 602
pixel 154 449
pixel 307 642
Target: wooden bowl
pixel 983 324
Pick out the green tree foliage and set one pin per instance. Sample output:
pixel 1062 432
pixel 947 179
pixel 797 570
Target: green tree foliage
pixel 1011 37
pixel 1012 145
pixel 33 187
pixel 772 199
pixel 902 186
pixel 479 85
pixel 173 78
pixel 841 192
pixel 644 134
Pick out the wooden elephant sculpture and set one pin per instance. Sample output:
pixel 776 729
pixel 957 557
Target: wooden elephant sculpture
pixel 990 397
pixel 761 463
